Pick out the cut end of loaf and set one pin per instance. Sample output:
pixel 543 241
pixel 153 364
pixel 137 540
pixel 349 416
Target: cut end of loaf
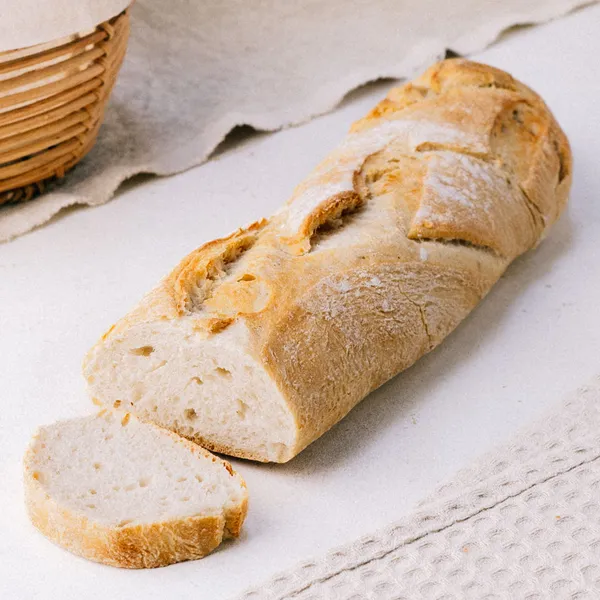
pixel 121 492
pixel 208 389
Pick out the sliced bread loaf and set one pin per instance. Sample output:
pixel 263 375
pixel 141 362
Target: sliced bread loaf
pixel 258 343
pixel 129 494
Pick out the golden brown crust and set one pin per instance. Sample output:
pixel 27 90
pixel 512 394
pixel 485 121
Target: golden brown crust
pixel 331 210
pixel 227 450
pixel 190 282
pixel 234 519
pixel 439 187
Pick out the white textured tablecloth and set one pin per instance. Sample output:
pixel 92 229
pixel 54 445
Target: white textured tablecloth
pixel 195 70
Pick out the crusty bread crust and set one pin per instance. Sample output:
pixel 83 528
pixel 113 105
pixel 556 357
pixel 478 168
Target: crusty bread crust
pixel 417 214
pixel 132 546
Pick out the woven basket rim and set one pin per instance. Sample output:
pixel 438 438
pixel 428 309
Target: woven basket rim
pixel 52 101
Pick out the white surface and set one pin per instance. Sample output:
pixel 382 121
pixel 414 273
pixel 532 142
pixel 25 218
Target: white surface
pixel 25 23
pixel 535 338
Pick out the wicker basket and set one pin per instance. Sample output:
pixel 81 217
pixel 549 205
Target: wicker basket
pixel 52 99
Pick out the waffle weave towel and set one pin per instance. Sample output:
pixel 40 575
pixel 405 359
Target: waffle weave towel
pixel 523 522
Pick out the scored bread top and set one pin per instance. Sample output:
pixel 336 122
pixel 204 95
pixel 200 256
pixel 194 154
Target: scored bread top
pixel 477 155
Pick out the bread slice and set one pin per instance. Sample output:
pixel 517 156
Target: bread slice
pixel 129 494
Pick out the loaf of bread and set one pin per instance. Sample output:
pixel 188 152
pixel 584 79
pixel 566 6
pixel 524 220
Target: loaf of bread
pixel 258 343
pixel 129 494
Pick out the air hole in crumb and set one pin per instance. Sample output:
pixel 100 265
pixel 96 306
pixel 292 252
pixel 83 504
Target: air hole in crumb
pixel 125 419
pixel 116 488
pixel 199 478
pixel 124 522
pixel 185 499
pixel 93 492
pixel 158 366
pixel 117 403
pixel 130 487
pixel 190 414
pixel 97 466
pixel 108 436
pixel 242 407
pixel 155 408
pixel 91 505
pixel 247 277
pixel 144 482
pixel 37 476
pixel 180 479
pixel 142 351
pixel 223 372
